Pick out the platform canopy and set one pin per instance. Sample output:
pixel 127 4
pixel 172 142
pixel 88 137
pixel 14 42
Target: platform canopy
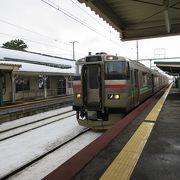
pixel 8 67
pixel 171 67
pixel 139 19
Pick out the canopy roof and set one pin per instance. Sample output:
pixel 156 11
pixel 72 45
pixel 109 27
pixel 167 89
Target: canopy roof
pixel 9 67
pixel 171 67
pixel 36 63
pixel 137 19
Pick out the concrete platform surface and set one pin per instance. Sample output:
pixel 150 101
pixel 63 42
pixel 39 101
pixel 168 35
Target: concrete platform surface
pixel 157 159
pixel 96 168
pixel 160 158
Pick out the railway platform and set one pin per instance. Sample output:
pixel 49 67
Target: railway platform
pixel 143 145
pixel 160 157
pixel 25 108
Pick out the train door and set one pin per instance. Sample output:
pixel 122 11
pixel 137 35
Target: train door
pixel 132 88
pixel 92 85
pixel 152 83
pixel 136 87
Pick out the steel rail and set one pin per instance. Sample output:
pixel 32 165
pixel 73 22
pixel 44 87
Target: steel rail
pixel 15 127
pixel 42 156
pixel 17 134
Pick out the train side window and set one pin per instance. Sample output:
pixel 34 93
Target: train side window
pixel 128 71
pixel 136 82
pixel 156 81
pixel 149 80
pixel 144 79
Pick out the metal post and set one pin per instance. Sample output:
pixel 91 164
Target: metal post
pixel 45 86
pixel 23 87
pixel 73 42
pixel 67 88
pixel 166 15
pixel 1 89
pixel 71 92
pixel 13 88
pixel 150 63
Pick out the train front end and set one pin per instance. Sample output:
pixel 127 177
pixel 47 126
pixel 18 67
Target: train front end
pixel 95 94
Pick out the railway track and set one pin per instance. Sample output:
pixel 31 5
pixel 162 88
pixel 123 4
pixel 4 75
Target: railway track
pixel 21 168
pixel 21 129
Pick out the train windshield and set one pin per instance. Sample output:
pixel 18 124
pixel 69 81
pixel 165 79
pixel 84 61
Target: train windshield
pixel 115 70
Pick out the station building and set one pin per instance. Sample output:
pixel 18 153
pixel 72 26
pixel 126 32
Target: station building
pixel 27 75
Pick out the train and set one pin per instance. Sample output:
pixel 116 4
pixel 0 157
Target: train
pixel 109 86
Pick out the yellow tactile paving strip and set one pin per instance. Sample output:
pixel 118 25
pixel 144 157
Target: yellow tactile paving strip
pixel 152 116
pixel 123 165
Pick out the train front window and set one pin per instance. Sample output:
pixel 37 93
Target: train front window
pixel 115 70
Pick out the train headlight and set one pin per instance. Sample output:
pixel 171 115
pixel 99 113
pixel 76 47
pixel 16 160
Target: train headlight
pixel 113 96
pixel 78 95
pixel 116 96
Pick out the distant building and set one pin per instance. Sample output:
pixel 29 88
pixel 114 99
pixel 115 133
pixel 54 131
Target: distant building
pixel 28 75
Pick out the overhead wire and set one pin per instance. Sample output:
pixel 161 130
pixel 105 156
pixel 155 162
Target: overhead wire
pixel 104 27
pixel 68 14
pixel 32 41
pixel 34 32
pixel 65 12
pixel 89 15
pixel 37 42
pixel 92 17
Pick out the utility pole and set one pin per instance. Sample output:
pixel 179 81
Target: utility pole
pixel 77 68
pixel 137 46
pixel 73 42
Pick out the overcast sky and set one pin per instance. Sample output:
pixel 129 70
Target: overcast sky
pixel 48 30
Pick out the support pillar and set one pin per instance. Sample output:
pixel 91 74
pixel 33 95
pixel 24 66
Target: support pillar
pixel 150 63
pixel 45 85
pixel 1 89
pixel 13 79
pixel 67 88
pixel 178 82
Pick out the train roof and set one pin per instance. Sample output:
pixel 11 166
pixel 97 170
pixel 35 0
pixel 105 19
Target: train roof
pixel 133 62
pixel 102 54
pixel 138 63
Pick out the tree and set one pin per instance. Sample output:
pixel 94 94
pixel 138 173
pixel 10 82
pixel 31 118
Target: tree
pixel 16 44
